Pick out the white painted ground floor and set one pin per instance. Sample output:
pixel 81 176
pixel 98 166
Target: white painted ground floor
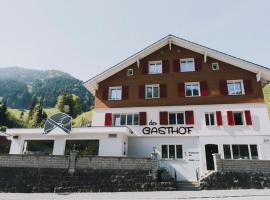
pixel 186 157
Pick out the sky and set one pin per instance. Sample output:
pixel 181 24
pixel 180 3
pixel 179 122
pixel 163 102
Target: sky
pixel 85 37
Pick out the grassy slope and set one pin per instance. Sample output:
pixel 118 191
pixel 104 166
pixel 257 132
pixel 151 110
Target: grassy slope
pixel 266 92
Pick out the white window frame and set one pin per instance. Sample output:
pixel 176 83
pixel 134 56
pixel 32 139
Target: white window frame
pixel 175 152
pixel 126 115
pixel 192 83
pixel 155 63
pixel 128 72
pixel 152 85
pixel 243 116
pixel 209 118
pixel 175 113
pixel 249 151
pixel 235 81
pixel 113 88
pixel 187 60
pixel 215 63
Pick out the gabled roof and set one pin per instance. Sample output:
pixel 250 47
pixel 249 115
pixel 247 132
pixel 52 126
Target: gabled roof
pixel 262 72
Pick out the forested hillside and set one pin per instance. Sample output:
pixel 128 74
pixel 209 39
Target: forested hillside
pixel 19 85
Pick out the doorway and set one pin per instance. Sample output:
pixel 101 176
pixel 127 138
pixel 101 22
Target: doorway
pixel 209 150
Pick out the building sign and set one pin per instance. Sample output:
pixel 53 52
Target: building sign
pixel 166 130
pixel 58 120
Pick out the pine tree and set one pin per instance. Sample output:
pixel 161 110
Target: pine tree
pixel 32 107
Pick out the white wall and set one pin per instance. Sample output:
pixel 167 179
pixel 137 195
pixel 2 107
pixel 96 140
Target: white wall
pixel 259 114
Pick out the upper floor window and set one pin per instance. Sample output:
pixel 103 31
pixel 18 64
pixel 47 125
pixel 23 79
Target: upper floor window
pixel 235 87
pixel 130 72
pixel 176 118
pixel 155 67
pixel 115 93
pixel 192 89
pixel 210 119
pixel 152 91
pixel 187 65
pixel 125 119
pixel 215 66
pixel 172 151
pixel 238 118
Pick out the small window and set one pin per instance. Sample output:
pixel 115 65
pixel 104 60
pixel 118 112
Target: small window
pixel 130 72
pixel 192 89
pixel 227 151
pixel 112 135
pixel 210 119
pixel 125 119
pixel 115 93
pixel 238 118
pixel 176 118
pixel 235 87
pixel 155 67
pixel 187 65
pixel 152 91
pixel 172 151
pixel 254 152
pixel 215 66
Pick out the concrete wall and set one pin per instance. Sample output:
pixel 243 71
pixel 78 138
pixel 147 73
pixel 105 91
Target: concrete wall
pixel 228 165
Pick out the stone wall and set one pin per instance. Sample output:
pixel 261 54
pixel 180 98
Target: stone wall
pixel 228 165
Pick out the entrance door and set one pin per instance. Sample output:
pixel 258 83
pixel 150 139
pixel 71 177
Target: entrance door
pixel 209 150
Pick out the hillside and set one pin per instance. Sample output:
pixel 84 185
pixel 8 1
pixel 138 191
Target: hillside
pixel 19 85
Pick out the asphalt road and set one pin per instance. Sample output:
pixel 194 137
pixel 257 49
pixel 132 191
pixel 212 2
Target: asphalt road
pixel 212 194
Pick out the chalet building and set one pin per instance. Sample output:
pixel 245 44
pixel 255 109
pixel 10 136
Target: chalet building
pixel 177 98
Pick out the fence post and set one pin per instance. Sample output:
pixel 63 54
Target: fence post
pixel 72 161
pixel 217 162
pixel 154 165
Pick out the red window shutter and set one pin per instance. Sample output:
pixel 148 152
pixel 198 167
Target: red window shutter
pixel 248 86
pixel 105 94
pixel 144 67
pixel 163 118
pixel 223 87
pixel 230 118
pixel 176 65
pixel 189 115
pixel 181 89
pixel 125 92
pixel 142 118
pixel 219 118
pixel 108 119
pixel 248 117
pixel 204 88
pixel 198 64
pixel 163 91
pixel 142 92
pixel 165 66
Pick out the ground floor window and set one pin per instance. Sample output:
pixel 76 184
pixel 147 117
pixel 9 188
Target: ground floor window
pixel 4 145
pixel 85 147
pixel 240 151
pixel 172 151
pixel 38 147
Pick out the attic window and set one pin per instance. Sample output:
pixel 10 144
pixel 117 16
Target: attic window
pixel 215 66
pixel 130 72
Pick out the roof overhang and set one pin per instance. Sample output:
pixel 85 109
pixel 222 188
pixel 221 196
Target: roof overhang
pixel 262 72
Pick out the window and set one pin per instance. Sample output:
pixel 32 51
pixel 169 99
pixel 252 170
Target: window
pixel 192 89
pixel 84 147
pixel 215 66
pixel 238 118
pixel 210 119
pixel 235 87
pixel 125 119
pixel 172 151
pixel 176 118
pixel 130 72
pixel 155 67
pixel 115 93
pixel 38 147
pixel 187 65
pixel 152 91
pixel 240 151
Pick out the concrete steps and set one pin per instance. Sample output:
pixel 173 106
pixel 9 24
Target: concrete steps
pixel 187 186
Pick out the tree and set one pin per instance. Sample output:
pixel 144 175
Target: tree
pixel 69 104
pixel 32 107
pixel 40 116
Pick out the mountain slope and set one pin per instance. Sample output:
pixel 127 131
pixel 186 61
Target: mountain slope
pixel 18 85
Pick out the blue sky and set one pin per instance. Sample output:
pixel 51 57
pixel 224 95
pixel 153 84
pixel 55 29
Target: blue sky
pixel 85 37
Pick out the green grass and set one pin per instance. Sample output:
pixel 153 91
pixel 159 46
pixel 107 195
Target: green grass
pixel 266 93
pixel 84 118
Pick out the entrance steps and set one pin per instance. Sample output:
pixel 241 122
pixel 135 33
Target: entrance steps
pixel 187 186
